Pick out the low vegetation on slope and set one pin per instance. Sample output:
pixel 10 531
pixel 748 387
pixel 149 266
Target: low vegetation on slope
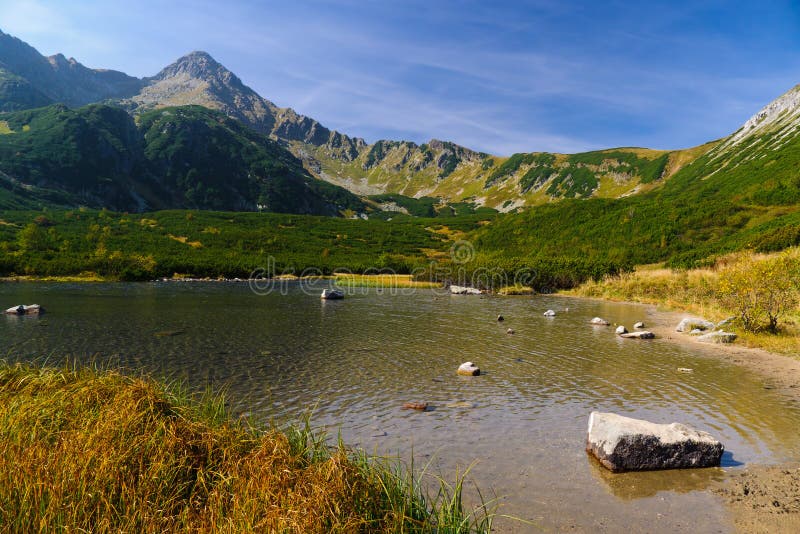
pixel 86 450
pixel 201 243
pixel 187 157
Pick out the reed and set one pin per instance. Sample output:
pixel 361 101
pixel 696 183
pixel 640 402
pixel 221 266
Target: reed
pixel 87 449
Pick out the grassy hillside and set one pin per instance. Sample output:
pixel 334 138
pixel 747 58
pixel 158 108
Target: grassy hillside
pixel 187 157
pixel 733 196
pixel 529 179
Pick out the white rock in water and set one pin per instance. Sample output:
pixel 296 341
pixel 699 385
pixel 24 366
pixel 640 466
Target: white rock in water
pixel 718 337
pixel 549 313
pixel 693 323
pixel 463 290
pixel 22 309
pixel 332 294
pixel 621 330
pixel 626 444
pixel 642 334
pixel 468 369
pixel 638 325
pixel 599 321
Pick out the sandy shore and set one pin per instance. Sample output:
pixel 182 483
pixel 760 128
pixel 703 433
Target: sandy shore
pixel 761 499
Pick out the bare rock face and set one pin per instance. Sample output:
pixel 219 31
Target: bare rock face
pixel 625 444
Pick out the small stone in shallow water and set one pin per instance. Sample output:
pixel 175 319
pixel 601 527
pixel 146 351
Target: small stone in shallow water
pixel 460 404
pixel 638 325
pixel 685 370
pixel 621 330
pixel 468 369
pixel 500 319
pixel 641 334
pixel 549 313
pixel 510 331
pixel 599 321
pixel 421 406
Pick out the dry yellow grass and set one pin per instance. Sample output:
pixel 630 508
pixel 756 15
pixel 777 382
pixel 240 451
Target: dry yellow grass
pixel 695 291
pixel 96 451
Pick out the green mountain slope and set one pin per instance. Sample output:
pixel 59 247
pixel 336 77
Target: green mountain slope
pixel 742 192
pixel 187 157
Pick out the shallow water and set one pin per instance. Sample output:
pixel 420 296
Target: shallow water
pixel 355 362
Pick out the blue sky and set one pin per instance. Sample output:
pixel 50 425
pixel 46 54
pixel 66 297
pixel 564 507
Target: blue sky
pixel 500 76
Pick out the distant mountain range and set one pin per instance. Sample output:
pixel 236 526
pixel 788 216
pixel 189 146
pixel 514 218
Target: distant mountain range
pixel 143 162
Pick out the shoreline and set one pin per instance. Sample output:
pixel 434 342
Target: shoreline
pixel 760 498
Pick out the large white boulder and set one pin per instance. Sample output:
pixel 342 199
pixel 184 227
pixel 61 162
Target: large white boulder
pixel 625 444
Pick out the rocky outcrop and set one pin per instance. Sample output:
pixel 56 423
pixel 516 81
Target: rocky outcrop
pixel 693 323
pixel 626 444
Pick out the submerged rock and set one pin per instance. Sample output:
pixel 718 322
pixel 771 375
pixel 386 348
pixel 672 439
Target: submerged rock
pixel 22 309
pixel 693 323
pixel 621 330
pixel 642 334
pixel 549 313
pixel 599 321
pixel 626 444
pixel 463 290
pixel 468 369
pixel 718 337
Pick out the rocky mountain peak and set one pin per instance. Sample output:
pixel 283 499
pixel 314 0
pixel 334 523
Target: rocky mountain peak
pixel 199 65
pixel 781 112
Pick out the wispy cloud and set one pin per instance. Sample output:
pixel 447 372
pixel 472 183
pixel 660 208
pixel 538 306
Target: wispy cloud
pixel 502 77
